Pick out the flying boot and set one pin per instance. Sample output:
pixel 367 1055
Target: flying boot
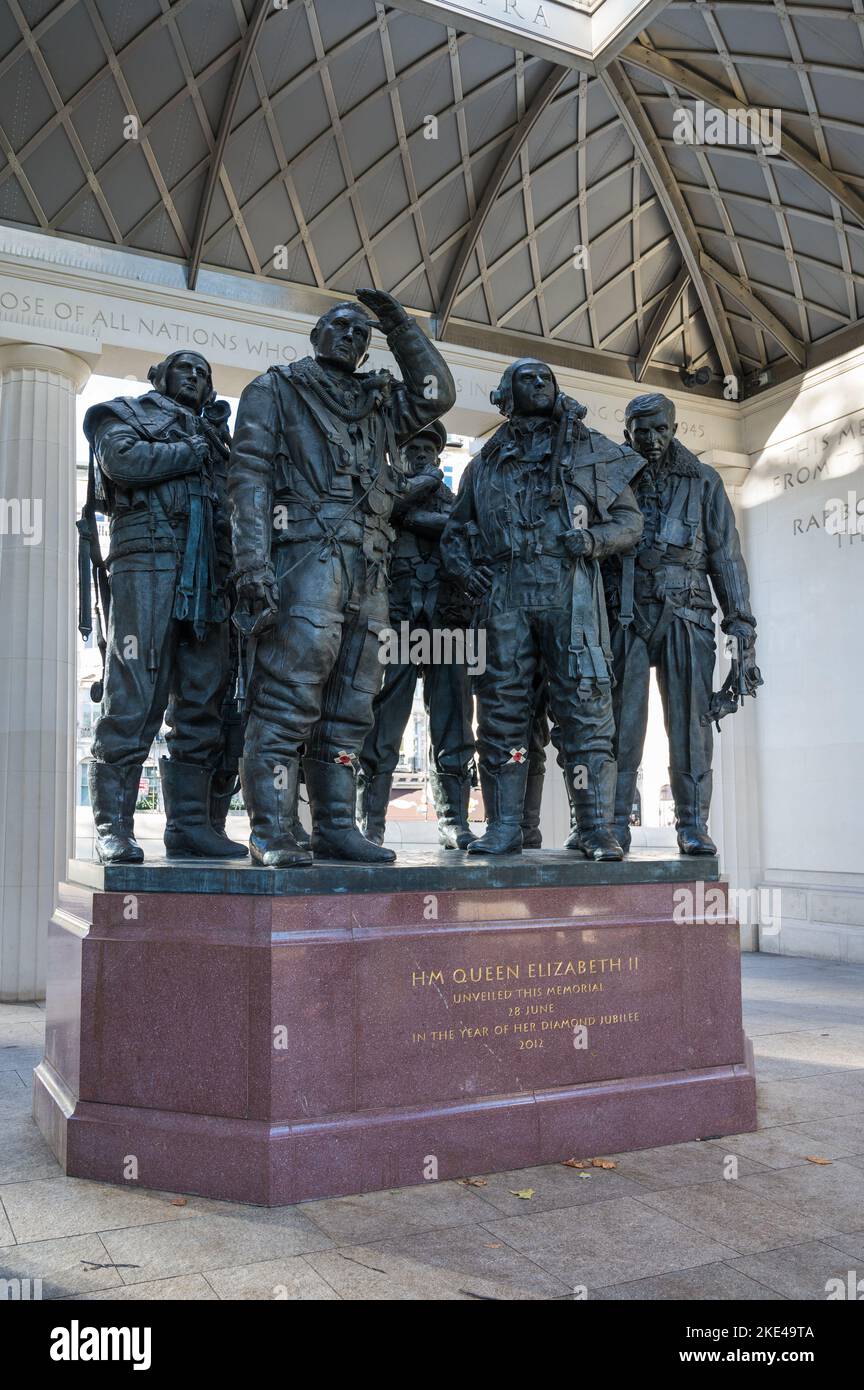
pixel 189 832
pixel 113 794
pixel 271 800
pixel 332 797
pixel 373 798
pixel 692 798
pixel 451 793
pixel 592 806
pixel 504 799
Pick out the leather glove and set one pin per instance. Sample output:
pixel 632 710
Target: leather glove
pixel 740 628
pixel 201 445
pixel 476 583
pixel 387 310
pixel 578 543
pixel 745 637
pixel 257 601
pixel 421 485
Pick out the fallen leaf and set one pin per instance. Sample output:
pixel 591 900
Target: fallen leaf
pixel 495 1246
pixel 577 1163
pixel 603 1163
pixel 585 1175
pixel 812 1159
pixel 178 1202
pixel 526 1193
pixel 474 1182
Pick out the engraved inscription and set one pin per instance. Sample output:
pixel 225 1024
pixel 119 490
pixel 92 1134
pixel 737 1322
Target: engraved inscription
pixel 531 1004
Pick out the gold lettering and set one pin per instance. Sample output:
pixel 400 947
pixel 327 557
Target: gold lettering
pixel 423 977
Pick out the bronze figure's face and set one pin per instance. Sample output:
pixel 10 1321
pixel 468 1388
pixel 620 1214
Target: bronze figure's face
pixel 420 455
pixel 340 338
pixel 651 433
pixel 188 382
pixel 534 389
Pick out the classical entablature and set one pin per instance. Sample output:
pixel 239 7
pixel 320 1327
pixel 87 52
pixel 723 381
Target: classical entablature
pixel 578 32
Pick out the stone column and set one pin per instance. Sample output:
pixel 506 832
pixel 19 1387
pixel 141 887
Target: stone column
pixel 734 820
pixel 37 649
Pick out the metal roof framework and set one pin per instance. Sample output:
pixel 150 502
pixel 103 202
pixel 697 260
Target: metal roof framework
pixel 524 204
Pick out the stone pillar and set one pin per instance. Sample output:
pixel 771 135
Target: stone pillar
pixel 37 649
pixel 734 820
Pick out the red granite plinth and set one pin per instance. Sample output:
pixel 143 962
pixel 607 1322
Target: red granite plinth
pixel 274 1049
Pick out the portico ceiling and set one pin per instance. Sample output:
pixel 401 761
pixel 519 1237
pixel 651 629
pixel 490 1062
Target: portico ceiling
pixel 329 144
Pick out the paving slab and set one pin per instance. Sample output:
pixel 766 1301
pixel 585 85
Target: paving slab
pixel 553 1185
pixel 23 1152
pixel 607 1242
pixel 378 1215
pixel 842 1138
pixel 200 1243
pixel 14 1095
pixel 740 1218
pixel 705 1283
pixel 808 1098
pixel 67 1267
pixel 798 1271
pixel 822 1053
pixel 783 1146
pixel 24 1013
pixel 7 1236
pixel 833 1194
pixel 791 974
pixel 808 1012
pixel 372 1274
pixel 292 1280
pixel 188 1288
pixel 759 1023
pixel 52 1207
pixel 474 1252
pixel 21 1059
pixel 852 1244
pixel 19 1034
pixel 678 1165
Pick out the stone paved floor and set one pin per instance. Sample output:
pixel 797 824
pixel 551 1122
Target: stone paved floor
pixel 664 1224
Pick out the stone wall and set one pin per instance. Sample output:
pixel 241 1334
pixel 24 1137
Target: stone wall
pixel 807 454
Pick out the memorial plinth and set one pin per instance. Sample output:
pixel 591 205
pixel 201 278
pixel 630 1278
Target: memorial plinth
pixel 270 1036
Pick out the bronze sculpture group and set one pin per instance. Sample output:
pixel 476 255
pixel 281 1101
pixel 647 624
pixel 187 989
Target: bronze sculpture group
pixel 579 562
